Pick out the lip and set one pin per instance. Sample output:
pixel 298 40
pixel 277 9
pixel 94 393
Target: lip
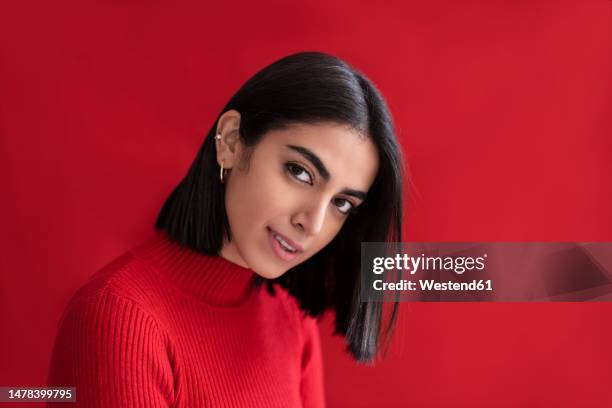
pixel 294 244
pixel 278 250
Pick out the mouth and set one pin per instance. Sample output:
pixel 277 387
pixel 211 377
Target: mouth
pixel 283 247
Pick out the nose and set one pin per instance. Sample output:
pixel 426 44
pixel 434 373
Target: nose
pixel 311 218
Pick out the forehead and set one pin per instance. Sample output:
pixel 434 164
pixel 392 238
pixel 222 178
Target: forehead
pixel 351 158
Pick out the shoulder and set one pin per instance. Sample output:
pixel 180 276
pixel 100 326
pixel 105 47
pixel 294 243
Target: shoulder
pixel 125 280
pixel 105 311
pixel 306 324
pixel 311 358
pixel 108 341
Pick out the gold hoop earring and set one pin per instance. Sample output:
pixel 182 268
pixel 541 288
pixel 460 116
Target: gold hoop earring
pixel 221 173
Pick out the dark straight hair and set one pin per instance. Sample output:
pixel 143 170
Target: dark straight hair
pixel 306 87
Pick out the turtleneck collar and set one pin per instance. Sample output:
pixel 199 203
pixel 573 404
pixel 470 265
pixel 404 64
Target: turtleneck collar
pixel 208 278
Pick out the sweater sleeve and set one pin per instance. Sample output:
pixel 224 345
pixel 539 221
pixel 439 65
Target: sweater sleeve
pixel 113 352
pixel 313 395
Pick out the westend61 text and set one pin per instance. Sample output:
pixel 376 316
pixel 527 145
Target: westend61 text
pixel 430 284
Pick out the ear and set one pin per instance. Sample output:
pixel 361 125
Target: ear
pixel 229 146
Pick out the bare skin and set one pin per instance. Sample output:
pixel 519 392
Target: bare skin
pixel 285 191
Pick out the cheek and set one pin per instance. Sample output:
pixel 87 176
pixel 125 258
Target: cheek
pixel 240 214
pixel 329 233
pixel 254 199
pixel 276 193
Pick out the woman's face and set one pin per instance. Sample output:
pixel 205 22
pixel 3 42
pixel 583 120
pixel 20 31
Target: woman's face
pixel 296 193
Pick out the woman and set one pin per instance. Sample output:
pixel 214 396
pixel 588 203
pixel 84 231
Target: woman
pixel 262 235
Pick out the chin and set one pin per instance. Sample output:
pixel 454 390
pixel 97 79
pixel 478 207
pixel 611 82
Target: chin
pixel 270 274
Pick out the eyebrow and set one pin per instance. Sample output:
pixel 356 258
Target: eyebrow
pixel 318 164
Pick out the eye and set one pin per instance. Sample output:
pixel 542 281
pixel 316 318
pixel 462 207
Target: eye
pixel 299 172
pixel 345 206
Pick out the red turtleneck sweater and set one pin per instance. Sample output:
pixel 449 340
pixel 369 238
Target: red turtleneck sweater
pixel 163 325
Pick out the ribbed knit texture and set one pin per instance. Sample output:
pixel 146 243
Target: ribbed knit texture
pixel 163 325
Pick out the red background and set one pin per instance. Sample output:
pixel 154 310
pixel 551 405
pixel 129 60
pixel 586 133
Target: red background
pixel 503 108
